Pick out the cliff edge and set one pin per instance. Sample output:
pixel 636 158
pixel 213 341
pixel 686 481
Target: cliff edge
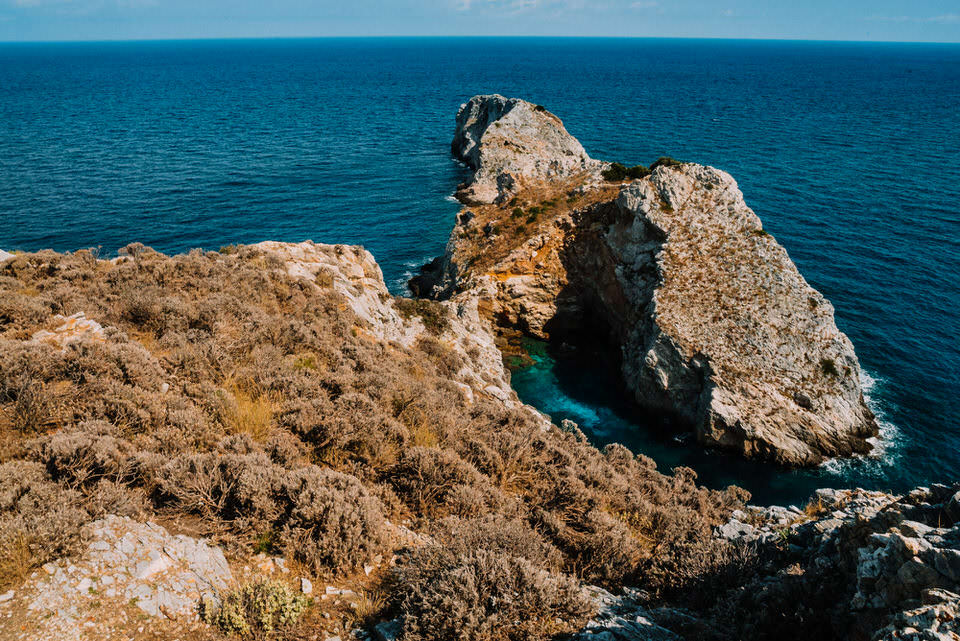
pixel 711 320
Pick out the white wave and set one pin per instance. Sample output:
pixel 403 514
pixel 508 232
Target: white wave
pixel 451 199
pixel 886 445
pixel 400 285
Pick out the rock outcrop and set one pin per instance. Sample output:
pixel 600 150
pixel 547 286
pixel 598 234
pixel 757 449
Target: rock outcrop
pixel 508 142
pixel 711 320
pixel 126 564
pixel 71 329
pixel 889 564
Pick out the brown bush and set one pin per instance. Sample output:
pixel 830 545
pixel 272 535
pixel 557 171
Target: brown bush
pixel 438 482
pixel 334 523
pixel 227 390
pixel 90 452
pixel 240 488
pixel 482 595
pixel 39 520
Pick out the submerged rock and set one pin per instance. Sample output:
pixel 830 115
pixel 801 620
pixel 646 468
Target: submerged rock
pixel 710 319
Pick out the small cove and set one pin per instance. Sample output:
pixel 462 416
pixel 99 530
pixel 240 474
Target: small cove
pixel 584 387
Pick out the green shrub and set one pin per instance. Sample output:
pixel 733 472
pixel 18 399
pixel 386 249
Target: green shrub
pixel 516 213
pixel 829 367
pixel 618 172
pixel 665 161
pixel 255 609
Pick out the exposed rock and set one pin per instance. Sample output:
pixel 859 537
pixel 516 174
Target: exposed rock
pixel 621 618
pixel 892 554
pixel 728 334
pixel 72 329
pixel 939 620
pixel 5 256
pixel 714 324
pixel 508 141
pixel 126 562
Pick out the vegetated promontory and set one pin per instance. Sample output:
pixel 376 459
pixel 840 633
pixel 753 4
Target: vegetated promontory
pixel 262 442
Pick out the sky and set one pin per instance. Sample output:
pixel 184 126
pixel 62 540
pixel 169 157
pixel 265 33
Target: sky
pixel 880 20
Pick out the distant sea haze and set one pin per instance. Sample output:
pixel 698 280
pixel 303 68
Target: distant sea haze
pixel 848 152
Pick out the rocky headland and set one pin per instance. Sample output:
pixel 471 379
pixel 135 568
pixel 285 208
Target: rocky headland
pixel 709 318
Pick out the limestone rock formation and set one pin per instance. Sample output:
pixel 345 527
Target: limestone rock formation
pixel 126 563
pixel 71 329
pixel 711 320
pixel 507 141
pixel 884 558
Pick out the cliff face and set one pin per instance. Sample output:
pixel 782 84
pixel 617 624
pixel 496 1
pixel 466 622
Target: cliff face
pixel 712 319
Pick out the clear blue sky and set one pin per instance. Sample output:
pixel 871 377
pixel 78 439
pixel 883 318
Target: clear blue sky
pixel 910 20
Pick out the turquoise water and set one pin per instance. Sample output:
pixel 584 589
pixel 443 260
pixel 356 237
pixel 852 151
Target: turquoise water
pixel 847 151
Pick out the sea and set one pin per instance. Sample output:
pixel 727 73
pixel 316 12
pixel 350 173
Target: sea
pixel 849 153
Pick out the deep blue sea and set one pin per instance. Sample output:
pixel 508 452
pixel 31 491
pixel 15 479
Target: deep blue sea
pixel 850 153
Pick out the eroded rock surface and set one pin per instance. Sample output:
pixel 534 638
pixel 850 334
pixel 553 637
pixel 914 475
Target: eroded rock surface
pixel 508 141
pixel 126 563
pixel 71 329
pixel 889 564
pixel 713 322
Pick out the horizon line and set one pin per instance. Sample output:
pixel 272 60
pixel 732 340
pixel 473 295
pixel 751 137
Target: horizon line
pixel 478 36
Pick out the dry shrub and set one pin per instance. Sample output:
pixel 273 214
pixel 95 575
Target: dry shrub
pixel 507 535
pixel 29 406
pixel 90 452
pixel 484 595
pixel 228 390
pixel 334 523
pixel 239 488
pixel 39 520
pixel 438 482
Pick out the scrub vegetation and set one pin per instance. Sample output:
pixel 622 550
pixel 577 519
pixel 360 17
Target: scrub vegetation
pixel 234 399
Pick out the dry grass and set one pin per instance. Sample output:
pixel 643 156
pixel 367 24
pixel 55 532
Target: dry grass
pixel 248 410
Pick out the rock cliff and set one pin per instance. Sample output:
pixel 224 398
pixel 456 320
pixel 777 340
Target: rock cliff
pixel 711 320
